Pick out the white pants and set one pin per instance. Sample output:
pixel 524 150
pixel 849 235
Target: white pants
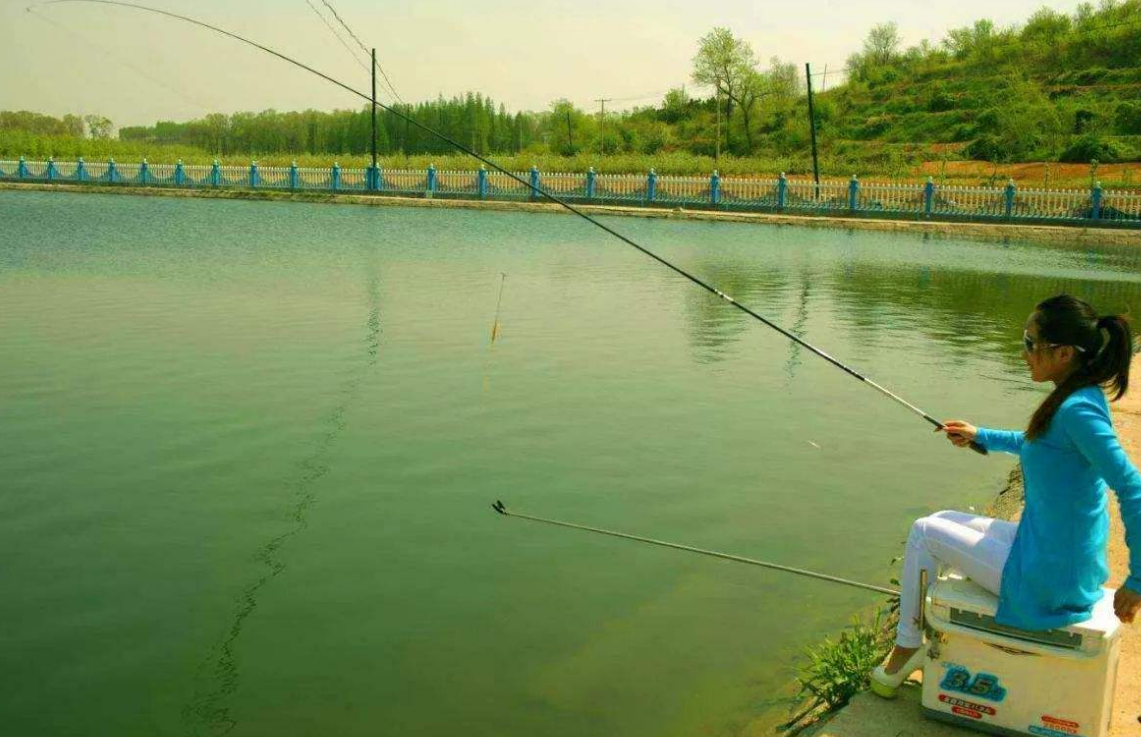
pixel 975 546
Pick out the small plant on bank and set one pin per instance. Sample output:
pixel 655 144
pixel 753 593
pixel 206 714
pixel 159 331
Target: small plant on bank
pixel 839 669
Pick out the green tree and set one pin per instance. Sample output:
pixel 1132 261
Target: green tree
pixel 73 126
pixel 727 64
pixel 881 47
pixel 675 105
pixel 567 129
pixel 880 51
pixel 1046 25
pixel 99 128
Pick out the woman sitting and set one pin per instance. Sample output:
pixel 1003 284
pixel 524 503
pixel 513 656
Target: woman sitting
pixel 1048 569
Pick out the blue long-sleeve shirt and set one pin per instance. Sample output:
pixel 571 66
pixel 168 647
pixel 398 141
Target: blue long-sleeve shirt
pixel 1057 565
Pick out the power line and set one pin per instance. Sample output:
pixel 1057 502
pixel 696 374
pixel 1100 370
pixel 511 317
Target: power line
pixel 602 124
pixel 824 75
pixel 343 24
pixel 633 98
pixel 333 30
pixel 645 96
pixel 363 48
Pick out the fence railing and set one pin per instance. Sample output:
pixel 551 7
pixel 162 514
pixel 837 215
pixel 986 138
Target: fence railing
pixel 928 201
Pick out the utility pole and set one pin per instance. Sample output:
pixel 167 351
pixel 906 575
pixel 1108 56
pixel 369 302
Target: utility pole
pixel 812 127
pixel 570 132
pixel 717 97
pixel 824 79
pixel 372 176
pixel 602 124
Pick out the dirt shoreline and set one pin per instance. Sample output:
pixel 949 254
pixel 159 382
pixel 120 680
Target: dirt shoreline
pixel 869 716
pixel 980 231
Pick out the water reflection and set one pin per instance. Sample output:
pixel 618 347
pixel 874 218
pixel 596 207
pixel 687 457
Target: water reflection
pixel 957 302
pixel 799 324
pixel 713 325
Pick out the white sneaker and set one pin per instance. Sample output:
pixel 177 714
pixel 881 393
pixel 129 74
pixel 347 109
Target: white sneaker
pixel 885 684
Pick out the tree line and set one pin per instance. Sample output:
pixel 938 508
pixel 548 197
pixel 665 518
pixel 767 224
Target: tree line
pixel 1058 86
pixel 471 119
pixel 73 126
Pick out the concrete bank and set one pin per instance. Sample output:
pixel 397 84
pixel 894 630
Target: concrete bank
pixel 870 716
pixel 983 231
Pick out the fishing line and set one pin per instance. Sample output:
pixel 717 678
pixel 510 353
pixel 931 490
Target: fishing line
pixel 502 509
pixel 498 304
pixel 115 56
pixel 494 335
pixel 545 194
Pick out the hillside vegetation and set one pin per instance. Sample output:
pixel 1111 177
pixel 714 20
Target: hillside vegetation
pixel 1060 87
pixel 1056 88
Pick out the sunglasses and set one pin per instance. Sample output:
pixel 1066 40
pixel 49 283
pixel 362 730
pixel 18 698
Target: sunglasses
pixel 1030 344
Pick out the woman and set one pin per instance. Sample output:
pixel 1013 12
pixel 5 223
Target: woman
pixel 1048 569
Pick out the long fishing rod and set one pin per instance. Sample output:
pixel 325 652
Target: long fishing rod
pixel 540 192
pixel 502 509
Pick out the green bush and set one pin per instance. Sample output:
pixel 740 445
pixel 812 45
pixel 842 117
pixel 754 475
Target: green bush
pixel 1128 118
pixel 901 105
pixel 1085 149
pixel 837 671
pixel 941 102
pixel 990 147
pixel 1089 76
pixel 874 126
pixel 1084 120
pixel 988 121
pixel 963 132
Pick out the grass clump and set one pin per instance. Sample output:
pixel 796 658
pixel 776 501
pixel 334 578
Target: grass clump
pixel 837 670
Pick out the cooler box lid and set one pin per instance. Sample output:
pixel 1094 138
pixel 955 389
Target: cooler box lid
pixel 955 603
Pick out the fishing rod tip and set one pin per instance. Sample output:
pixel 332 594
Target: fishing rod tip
pixel 499 507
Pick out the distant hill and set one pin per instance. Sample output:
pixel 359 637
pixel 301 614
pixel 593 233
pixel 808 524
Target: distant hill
pixel 1059 87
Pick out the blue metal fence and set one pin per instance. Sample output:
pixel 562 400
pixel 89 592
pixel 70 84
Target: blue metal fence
pixel 1093 206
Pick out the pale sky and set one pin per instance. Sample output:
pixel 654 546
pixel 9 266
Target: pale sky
pixel 137 68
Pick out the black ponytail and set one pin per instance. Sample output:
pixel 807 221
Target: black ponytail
pixel 1104 362
pixel 1110 368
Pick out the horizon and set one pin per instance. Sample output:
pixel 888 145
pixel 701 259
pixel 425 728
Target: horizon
pixel 142 82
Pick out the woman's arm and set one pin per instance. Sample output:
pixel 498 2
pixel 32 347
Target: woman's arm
pixel 962 434
pixel 1089 427
pixel 1001 441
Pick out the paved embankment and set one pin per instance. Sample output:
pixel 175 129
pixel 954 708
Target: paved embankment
pixel 869 716
pixel 986 231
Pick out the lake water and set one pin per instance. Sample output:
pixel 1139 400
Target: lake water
pixel 249 452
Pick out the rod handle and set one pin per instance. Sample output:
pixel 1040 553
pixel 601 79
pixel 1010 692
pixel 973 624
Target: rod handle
pixel 973 444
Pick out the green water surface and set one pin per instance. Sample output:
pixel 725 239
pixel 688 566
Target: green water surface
pixel 248 452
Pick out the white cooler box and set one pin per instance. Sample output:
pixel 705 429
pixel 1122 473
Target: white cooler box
pixel 997 679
